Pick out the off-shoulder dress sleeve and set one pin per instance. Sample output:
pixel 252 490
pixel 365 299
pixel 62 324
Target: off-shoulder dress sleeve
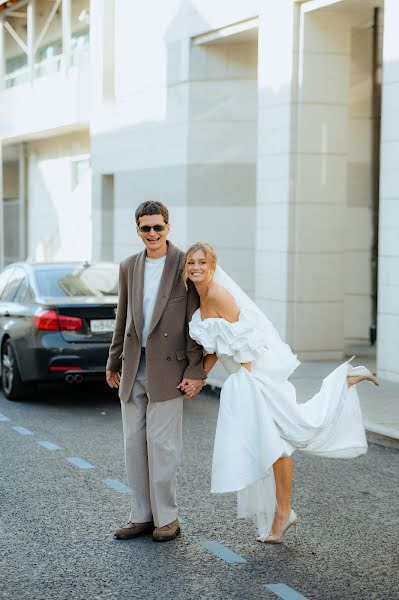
pixel 240 340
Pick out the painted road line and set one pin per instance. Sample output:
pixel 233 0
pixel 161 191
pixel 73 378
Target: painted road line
pixel 222 552
pixel 49 445
pixel 23 430
pixel 283 591
pixel 79 462
pixel 3 418
pixel 116 485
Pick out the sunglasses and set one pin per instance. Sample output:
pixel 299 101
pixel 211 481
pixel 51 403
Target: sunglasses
pixel 156 228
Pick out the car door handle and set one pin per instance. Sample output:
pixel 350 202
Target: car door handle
pixel 6 314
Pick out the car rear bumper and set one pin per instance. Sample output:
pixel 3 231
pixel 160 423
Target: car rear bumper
pixel 56 363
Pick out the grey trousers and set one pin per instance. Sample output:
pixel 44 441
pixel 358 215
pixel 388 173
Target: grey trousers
pixel 153 447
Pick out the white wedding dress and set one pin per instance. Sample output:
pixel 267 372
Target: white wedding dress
pixel 259 418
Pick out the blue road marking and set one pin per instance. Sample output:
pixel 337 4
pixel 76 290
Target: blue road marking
pixel 23 430
pixel 49 445
pixel 116 485
pixel 283 591
pixel 222 552
pixel 3 418
pixel 78 462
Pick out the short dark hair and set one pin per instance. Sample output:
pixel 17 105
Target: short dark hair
pixel 151 207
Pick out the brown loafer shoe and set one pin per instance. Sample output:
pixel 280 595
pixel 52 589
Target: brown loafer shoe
pixel 167 532
pixel 132 530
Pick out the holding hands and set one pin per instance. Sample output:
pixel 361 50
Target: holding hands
pixel 191 387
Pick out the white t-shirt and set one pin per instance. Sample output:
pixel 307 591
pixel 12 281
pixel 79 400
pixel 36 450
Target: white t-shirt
pixel 152 277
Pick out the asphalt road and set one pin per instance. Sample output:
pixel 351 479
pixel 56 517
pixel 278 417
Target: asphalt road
pixel 57 518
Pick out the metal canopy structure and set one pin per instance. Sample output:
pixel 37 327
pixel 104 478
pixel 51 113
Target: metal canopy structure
pixel 26 9
pixel 10 6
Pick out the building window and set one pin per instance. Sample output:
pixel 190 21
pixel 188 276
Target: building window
pixel 80 166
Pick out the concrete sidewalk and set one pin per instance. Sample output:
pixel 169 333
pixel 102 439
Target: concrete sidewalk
pixel 380 405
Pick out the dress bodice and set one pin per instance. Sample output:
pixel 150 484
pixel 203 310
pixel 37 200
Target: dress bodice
pixel 240 341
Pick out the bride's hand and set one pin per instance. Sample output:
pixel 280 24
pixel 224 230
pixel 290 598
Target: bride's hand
pixel 247 366
pixel 191 387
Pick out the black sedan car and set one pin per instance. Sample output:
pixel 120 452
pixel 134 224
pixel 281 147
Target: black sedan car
pixel 56 322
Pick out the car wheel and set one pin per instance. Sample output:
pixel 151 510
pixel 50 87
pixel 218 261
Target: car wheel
pixel 13 386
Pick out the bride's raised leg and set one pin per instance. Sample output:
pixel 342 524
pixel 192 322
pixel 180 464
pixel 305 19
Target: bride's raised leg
pixel 353 380
pixel 359 374
pixel 283 477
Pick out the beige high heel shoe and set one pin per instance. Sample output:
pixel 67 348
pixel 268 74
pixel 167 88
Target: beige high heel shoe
pixel 292 520
pixel 361 372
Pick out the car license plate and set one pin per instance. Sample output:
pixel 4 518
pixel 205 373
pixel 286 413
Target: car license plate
pixel 102 325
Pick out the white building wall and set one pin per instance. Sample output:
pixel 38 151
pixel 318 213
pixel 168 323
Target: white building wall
pixel 57 102
pixel 177 128
pixel 388 286
pixel 136 135
pixel 59 205
pixel 221 175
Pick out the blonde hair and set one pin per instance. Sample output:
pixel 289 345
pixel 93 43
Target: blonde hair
pixel 210 255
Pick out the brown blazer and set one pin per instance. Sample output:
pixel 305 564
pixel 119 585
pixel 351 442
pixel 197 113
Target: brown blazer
pixel 171 354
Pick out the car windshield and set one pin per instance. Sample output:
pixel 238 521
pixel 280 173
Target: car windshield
pixel 92 280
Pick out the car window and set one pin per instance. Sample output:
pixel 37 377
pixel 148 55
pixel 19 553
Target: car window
pixel 91 280
pixel 4 277
pixel 13 284
pixel 24 293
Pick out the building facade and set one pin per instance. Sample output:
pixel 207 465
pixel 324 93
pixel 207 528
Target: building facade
pixel 269 127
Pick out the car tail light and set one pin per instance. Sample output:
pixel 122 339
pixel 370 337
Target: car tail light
pixel 70 323
pixel 49 320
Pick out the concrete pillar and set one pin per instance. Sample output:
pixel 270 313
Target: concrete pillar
pixel 22 197
pixel 304 74
pixel 388 269
pixel 31 34
pixel 277 70
pixel 317 241
pixel 103 217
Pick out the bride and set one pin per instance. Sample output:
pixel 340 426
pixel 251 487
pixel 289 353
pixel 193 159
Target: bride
pixel 260 424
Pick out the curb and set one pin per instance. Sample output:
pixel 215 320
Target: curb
pixel 381 430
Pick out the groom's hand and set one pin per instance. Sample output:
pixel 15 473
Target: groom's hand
pixel 191 387
pixel 113 378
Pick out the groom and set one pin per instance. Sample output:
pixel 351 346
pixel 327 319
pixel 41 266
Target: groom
pixel 159 363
